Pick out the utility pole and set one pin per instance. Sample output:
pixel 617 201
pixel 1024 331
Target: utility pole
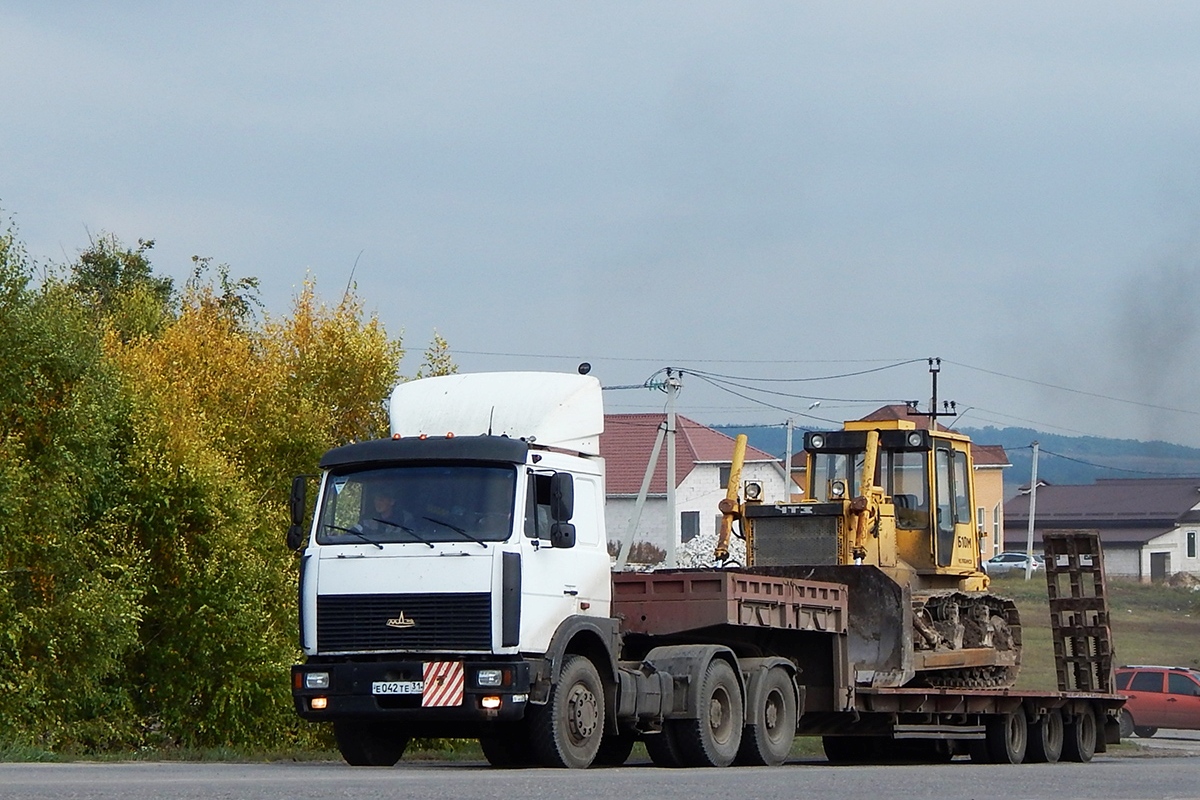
pixel 673 384
pixel 787 465
pixel 1032 509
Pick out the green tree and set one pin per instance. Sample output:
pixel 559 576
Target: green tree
pixel 70 587
pixel 119 285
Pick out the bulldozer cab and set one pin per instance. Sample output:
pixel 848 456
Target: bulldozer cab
pixel 879 492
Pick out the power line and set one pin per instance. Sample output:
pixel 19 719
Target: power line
pixel 803 380
pixel 1074 391
pixel 1116 469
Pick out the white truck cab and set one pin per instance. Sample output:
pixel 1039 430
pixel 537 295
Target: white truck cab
pixel 464 544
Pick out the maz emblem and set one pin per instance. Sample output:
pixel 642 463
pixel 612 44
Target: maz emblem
pixel 401 622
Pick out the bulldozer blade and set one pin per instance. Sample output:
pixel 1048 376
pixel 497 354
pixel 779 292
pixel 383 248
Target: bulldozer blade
pixel 880 620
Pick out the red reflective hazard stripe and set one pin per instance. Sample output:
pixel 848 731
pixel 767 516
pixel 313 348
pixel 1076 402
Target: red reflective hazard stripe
pixel 444 681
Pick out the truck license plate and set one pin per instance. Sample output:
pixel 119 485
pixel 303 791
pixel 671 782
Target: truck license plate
pixel 397 687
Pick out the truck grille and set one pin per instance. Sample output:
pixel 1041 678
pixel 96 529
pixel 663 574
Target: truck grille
pixel 420 622
pixel 786 540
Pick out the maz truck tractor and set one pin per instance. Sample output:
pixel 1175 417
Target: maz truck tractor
pixel 455 582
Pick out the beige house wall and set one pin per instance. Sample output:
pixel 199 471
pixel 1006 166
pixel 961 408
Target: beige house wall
pixel 989 509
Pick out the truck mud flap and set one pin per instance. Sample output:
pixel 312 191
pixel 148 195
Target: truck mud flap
pixel 879 637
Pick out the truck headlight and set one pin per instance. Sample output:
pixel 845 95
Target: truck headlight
pixel 489 677
pixel 838 490
pixel 316 680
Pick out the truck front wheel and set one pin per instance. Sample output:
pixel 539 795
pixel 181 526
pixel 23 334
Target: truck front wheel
pixel 369 744
pixel 713 739
pixel 568 729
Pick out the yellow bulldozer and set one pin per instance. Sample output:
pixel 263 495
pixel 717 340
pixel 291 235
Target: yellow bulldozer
pixel 888 509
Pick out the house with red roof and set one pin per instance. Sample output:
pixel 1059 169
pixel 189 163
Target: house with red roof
pixel 1148 526
pixel 703 458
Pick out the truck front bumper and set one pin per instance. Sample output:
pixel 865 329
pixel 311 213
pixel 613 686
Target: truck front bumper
pixel 492 690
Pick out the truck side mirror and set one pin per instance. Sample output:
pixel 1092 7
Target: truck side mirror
pixel 562 534
pixel 562 499
pixel 296 503
pixel 296 506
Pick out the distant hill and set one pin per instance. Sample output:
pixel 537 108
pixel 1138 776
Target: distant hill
pixel 1061 459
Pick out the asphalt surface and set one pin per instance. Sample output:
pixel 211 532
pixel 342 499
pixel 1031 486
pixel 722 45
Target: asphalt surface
pixel 1174 774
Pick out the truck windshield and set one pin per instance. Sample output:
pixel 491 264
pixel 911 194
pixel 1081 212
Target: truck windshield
pixel 418 503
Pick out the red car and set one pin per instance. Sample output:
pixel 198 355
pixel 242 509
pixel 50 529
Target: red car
pixel 1159 697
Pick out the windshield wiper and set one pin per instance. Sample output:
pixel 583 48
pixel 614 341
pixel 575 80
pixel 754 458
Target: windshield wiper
pixel 407 530
pixel 353 532
pixel 458 530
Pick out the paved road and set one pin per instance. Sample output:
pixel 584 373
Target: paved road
pixel 1106 777
pixel 1180 742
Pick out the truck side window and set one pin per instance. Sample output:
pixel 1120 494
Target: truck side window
pixel 537 507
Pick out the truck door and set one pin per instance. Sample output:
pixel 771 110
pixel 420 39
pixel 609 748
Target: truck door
pixel 556 582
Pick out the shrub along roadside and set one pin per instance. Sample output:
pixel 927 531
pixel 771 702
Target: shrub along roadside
pixel 147 441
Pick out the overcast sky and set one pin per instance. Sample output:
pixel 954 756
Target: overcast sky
pixel 759 190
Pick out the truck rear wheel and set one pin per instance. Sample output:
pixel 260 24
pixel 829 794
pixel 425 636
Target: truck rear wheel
pixel 1046 738
pixel 769 742
pixel 1006 740
pixel 1079 742
pixel 368 744
pixel 713 739
pixel 567 730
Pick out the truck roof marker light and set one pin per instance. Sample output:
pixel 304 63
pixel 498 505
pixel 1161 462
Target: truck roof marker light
pixel 490 701
pixel 396 437
pixel 423 436
pixel 318 703
pixel 449 434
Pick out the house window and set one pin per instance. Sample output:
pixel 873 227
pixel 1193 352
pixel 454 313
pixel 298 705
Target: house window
pixel 979 517
pixel 724 476
pixel 689 525
pixel 996 529
pixel 1191 544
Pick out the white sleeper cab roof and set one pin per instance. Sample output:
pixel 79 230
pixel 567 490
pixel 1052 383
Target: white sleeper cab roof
pixel 551 409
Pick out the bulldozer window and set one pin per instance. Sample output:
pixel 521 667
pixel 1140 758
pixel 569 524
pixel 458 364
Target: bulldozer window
pixel 906 480
pixel 962 498
pixel 830 467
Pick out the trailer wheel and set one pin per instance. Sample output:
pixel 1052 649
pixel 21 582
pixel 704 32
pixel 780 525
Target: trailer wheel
pixel 508 746
pixel 770 741
pixel 614 749
pixel 1126 724
pixel 661 747
pixel 1007 739
pixel 713 739
pixel 566 731
pixel 367 744
pixel 1046 738
pixel 1079 744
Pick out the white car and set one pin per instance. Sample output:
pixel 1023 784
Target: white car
pixel 1010 563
